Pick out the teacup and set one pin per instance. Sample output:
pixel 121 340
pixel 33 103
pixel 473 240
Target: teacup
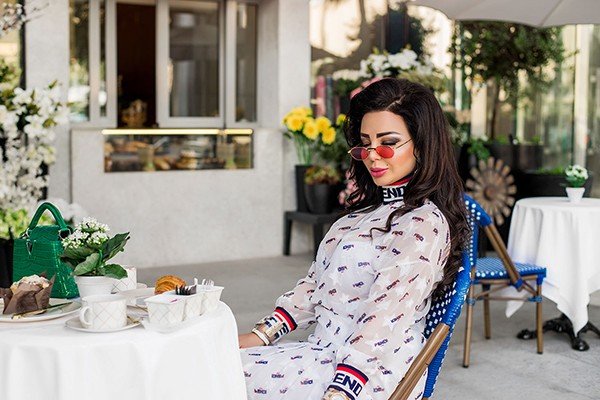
pixel 193 305
pixel 165 309
pixel 211 295
pixel 103 312
pixel 127 283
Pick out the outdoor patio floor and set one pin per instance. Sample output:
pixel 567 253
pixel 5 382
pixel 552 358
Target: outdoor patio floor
pixel 501 368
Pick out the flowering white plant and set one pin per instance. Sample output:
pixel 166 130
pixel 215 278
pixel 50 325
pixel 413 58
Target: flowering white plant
pixel 347 74
pixel 384 64
pixel 89 247
pixel 404 65
pixel 14 15
pixel 27 119
pixel 576 175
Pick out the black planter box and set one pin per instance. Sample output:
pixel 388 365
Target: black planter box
pixel 6 262
pixel 535 184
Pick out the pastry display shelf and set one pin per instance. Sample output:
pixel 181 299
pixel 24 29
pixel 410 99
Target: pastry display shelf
pixel 165 149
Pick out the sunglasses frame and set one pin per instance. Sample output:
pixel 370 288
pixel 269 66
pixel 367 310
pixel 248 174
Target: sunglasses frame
pixel 368 149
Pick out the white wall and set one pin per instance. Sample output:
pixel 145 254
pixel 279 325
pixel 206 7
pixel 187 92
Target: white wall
pixel 185 217
pixel 46 60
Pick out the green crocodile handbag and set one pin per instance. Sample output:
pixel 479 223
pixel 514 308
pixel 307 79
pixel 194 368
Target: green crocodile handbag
pixel 38 250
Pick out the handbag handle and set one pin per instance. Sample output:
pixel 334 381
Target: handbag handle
pixel 55 213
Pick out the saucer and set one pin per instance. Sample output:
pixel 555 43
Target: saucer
pixel 50 314
pixel 75 323
pixel 134 295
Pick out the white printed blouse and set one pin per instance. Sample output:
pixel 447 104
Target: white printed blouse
pixel 368 293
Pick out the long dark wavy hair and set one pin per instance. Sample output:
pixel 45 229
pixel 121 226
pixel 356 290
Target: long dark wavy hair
pixel 435 176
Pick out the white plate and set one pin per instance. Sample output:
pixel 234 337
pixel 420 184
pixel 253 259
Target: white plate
pixel 135 297
pixel 50 314
pixel 75 323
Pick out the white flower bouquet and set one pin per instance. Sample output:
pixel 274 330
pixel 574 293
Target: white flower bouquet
pixel 27 121
pixel 576 175
pixel 89 247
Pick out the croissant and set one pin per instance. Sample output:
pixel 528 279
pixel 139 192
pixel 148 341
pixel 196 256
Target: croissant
pixel 167 282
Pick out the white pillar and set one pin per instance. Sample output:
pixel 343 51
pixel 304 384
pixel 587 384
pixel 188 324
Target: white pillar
pixel 582 70
pixel 479 110
pixel 46 60
pixel 283 83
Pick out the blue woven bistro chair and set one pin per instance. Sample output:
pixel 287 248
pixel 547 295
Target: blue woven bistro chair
pixel 500 272
pixel 439 326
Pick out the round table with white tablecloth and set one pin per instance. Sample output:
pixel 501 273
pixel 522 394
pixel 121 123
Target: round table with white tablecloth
pixel 564 237
pixel 46 360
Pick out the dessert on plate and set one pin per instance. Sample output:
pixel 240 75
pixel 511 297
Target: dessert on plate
pixel 30 293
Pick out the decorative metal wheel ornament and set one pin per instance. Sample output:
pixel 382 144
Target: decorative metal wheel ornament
pixel 493 187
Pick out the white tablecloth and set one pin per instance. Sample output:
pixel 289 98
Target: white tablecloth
pixel 49 361
pixel 565 238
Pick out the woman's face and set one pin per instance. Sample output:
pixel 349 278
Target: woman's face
pixel 386 128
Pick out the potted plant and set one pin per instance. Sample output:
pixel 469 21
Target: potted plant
pixel 87 250
pixel 321 188
pixel 575 175
pixel 313 137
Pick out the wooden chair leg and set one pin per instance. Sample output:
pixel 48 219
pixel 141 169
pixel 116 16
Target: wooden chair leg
pixel 538 321
pixel 468 328
pixel 487 326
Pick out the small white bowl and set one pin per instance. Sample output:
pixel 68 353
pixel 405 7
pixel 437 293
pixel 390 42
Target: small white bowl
pixel 211 295
pixel 165 309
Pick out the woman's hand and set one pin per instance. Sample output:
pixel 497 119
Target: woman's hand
pixel 249 340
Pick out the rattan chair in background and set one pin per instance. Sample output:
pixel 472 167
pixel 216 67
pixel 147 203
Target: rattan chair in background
pixel 495 274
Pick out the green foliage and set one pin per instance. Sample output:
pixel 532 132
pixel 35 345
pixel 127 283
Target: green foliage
pixel 536 139
pixel 343 87
pixel 319 174
pixel 335 153
pixel 15 222
pixel 502 140
pixel 478 148
pixel 8 74
pixel 500 50
pixel 91 259
pixel 551 171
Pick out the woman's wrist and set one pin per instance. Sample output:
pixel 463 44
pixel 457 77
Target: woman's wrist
pixel 261 336
pixel 332 394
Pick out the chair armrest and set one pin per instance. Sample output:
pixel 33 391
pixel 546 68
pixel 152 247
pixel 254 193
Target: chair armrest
pixel 420 364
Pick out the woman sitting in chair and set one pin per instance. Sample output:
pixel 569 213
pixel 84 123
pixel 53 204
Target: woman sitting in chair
pixel 370 287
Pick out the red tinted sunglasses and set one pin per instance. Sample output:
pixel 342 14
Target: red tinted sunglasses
pixel 360 153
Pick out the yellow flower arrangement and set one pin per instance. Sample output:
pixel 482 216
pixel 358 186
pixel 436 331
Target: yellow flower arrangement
pixel 311 130
pixel 294 122
pixel 323 123
pixel 311 135
pixel 329 135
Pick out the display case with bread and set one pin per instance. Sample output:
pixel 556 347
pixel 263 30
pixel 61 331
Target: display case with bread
pixel 176 149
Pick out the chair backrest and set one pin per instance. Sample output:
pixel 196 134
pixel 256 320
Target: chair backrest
pixel 479 218
pixel 446 309
pixel 440 320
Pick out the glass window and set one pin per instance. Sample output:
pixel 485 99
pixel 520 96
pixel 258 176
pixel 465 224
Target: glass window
pixel 79 78
pixel 194 58
pixel 548 114
pixel 245 105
